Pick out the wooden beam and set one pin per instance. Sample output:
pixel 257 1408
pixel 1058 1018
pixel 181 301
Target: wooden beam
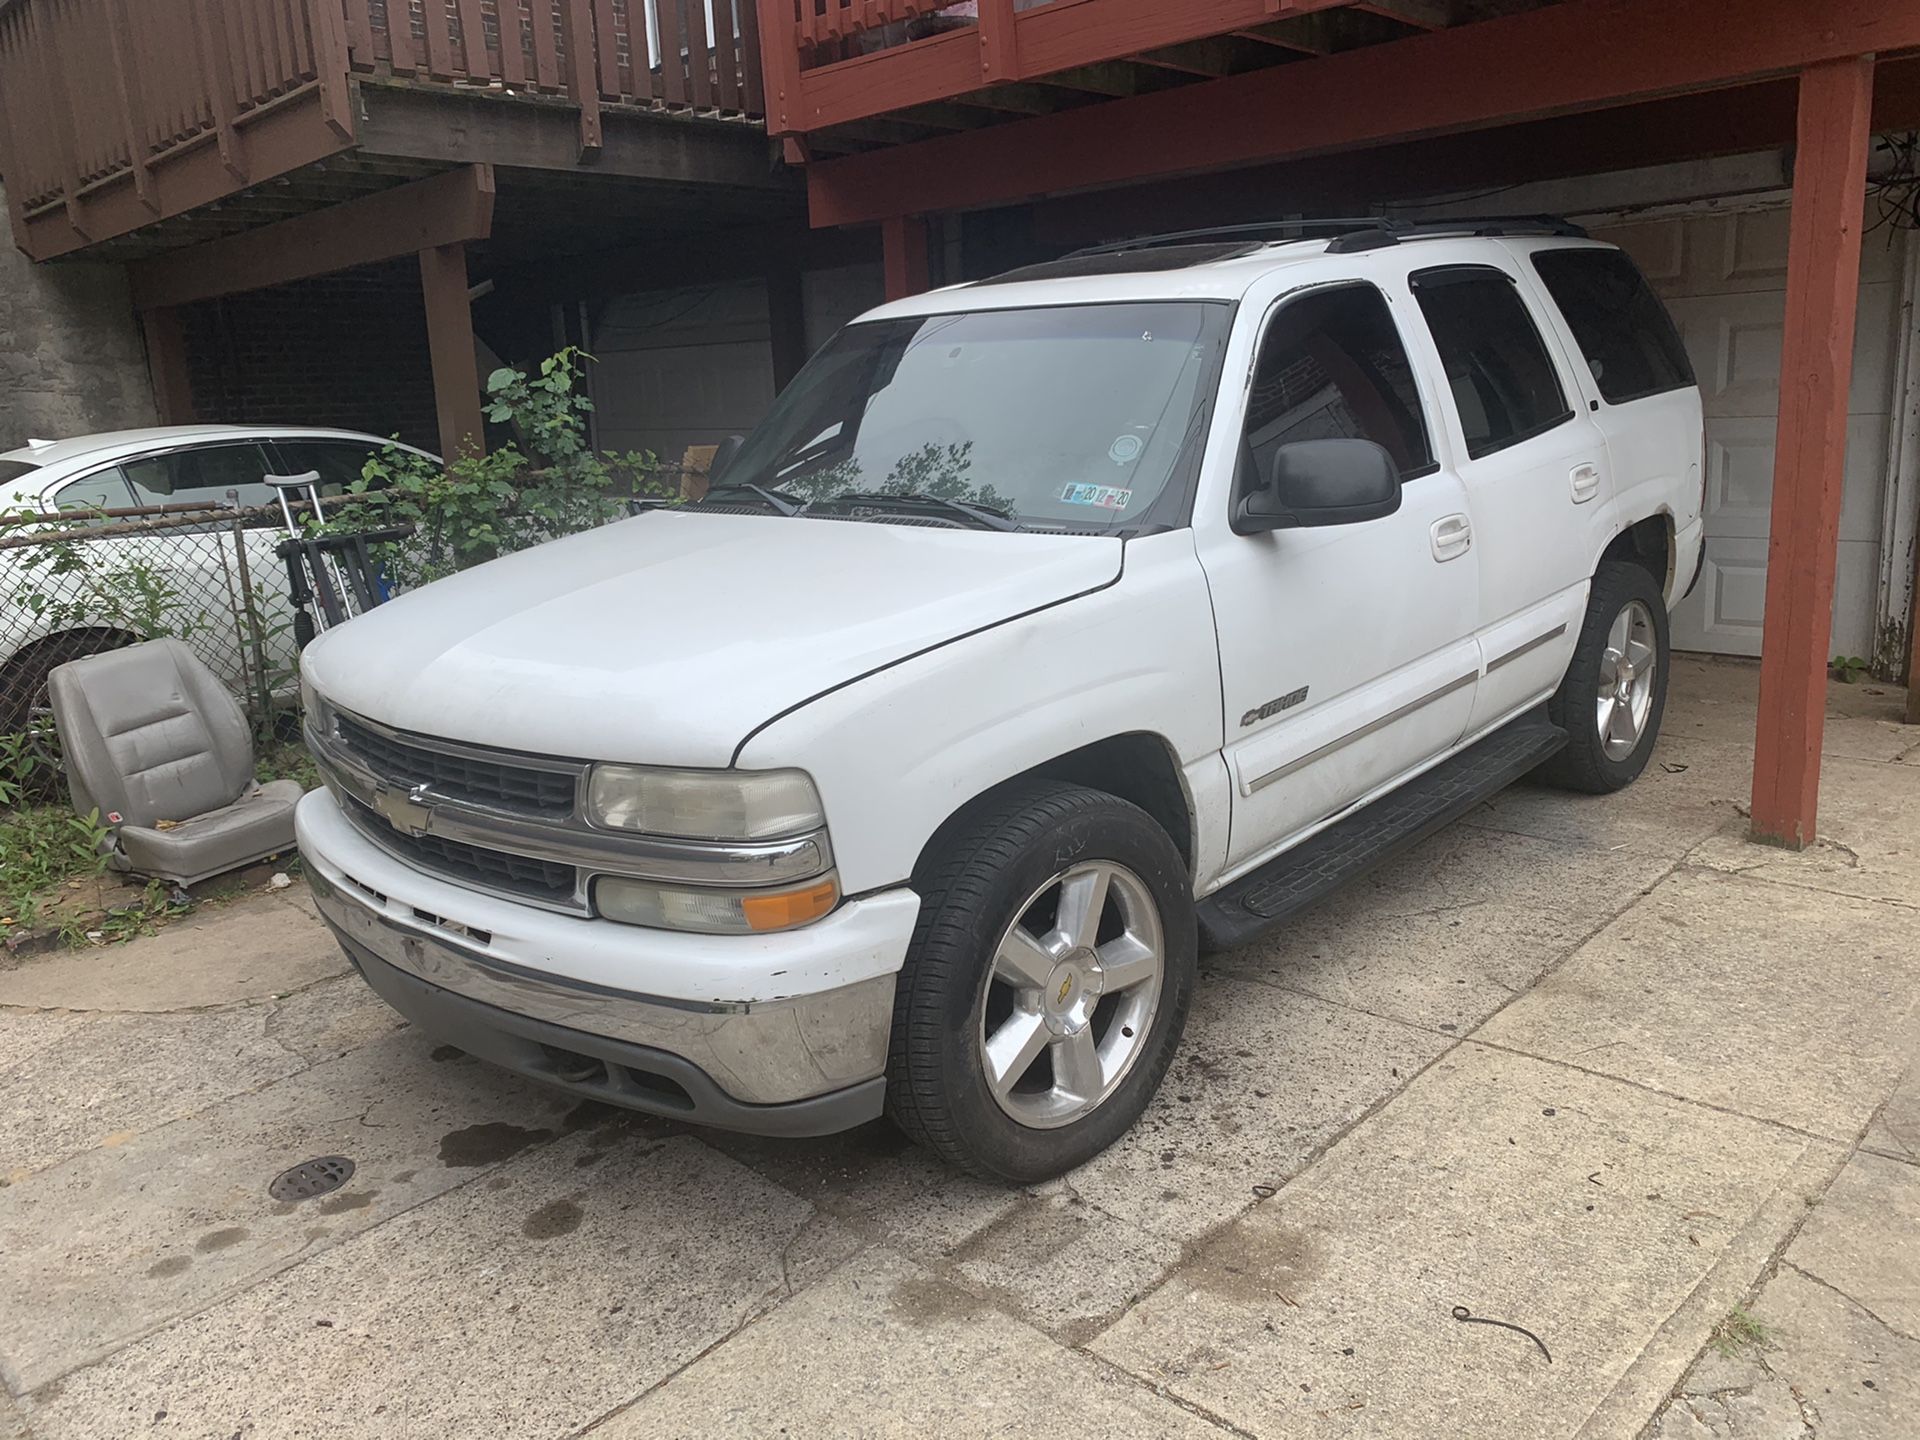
pixel 167 367
pixel 903 256
pixel 1579 55
pixel 444 210
pixel 1810 446
pixel 456 372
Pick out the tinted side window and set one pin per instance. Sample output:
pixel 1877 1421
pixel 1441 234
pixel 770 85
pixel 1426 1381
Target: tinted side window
pixel 1497 365
pixel 104 489
pixel 1623 329
pixel 338 461
pixel 1332 366
pixel 205 474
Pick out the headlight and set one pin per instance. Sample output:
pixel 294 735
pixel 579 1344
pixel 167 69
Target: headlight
pixel 704 804
pixel 312 707
pixel 714 912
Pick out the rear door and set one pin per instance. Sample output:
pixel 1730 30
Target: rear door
pixel 1536 473
pixel 1347 654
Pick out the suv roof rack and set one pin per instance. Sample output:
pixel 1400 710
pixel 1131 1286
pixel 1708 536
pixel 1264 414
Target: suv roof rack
pixel 1346 234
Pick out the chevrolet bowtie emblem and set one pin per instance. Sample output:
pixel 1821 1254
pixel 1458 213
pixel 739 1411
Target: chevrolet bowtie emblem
pixel 1065 986
pixel 405 810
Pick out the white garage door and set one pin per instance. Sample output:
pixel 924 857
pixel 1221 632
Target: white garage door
pixel 1724 278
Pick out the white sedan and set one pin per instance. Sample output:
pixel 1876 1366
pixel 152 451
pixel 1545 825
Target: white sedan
pixel 128 585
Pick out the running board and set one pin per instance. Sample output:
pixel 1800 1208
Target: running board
pixel 1259 901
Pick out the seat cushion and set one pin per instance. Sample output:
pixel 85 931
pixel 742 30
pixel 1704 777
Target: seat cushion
pixel 150 734
pixel 256 825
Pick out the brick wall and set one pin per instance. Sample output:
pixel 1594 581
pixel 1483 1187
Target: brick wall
pixel 71 361
pixel 346 350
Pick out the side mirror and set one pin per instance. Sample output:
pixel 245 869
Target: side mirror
pixel 723 454
pixel 1316 482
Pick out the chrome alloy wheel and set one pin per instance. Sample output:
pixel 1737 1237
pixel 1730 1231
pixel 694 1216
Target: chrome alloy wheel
pixel 1071 999
pixel 1628 675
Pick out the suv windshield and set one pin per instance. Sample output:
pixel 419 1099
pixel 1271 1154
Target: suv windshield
pixel 1067 418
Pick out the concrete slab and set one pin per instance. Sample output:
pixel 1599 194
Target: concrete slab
pixel 251 949
pixel 530 1304
pixel 1264 1080
pixel 116 1242
pixel 331 1018
pixel 1863 1240
pixel 883 1348
pixel 112 1077
pixel 1582 1208
pixel 1826 1371
pixel 1774 1001
pixel 1869 838
pixel 1445 970
pixel 1716 700
pixel 1895 1131
pixel 13 1425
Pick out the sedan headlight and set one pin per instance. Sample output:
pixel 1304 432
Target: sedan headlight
pixel 704 804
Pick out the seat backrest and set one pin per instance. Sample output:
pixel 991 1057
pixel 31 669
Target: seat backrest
pixel 149 734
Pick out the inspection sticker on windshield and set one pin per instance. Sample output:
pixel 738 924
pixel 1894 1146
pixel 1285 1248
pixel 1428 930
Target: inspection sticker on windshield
pixel 1106 497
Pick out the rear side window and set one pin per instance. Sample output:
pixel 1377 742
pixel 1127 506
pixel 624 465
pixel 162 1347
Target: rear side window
pixel 1332 367
pixel 213 473
pixel 1497 366
pixel 338 461
pixel 1624 331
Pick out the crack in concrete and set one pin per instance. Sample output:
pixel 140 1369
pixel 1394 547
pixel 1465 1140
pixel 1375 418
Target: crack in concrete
pixel 1852 1300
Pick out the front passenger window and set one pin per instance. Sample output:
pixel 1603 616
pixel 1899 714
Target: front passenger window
pixel 1332 367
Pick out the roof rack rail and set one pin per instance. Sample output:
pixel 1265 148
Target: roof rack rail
pixel 1349 233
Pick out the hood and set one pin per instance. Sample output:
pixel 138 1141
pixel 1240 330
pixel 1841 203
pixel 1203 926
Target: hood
pixel 667 638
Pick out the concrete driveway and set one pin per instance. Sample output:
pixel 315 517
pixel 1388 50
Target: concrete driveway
pixel 1596 1068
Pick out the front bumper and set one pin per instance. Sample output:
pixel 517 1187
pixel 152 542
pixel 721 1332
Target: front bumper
pixel 783 1033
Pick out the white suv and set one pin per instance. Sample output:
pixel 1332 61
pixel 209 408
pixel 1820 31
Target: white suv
pixel 1048 629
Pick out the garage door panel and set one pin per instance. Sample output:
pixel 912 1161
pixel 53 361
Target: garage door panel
pixel 1740 476
pixel 1731 253
pixel 1734 342
pixel 1723 614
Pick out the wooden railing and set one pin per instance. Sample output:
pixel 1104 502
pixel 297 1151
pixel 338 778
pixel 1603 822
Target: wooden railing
pixel 114 113
pixel 118 113
pixel 674 54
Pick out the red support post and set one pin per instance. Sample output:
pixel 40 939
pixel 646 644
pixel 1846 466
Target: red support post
pixel 167 366
pixel 903 255
pixel 1810 448
pixel 456 371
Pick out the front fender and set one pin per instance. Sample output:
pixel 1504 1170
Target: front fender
pixel 897 753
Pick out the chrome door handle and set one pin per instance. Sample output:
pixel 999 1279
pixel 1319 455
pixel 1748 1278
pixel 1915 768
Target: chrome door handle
pixel 1585 481
pixel 1452 536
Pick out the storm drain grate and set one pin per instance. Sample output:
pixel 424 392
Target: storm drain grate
pixel 312 1177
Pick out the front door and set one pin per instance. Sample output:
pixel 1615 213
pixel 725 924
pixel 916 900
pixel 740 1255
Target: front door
pixel 1346 652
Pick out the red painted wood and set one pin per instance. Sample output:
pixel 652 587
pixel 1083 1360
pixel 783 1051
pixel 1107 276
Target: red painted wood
pixel 546 61
pixel 726 60
pixel 1810 447
pixel 456 374
pixel 1580 55
pixel 513 43
pixel 753 80
pixel 999 41
pixel 473 40
pixel 903 255
pixel 576 29
pixel 433 15
pixel 167 359
pixel 673 76
pixel 605 41
pixel 399 33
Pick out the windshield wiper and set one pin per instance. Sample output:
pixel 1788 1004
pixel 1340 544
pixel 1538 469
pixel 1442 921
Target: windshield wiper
pixel 982 516
pixel 775 500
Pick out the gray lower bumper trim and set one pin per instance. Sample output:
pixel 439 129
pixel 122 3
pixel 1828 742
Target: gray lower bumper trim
pixel 596 1067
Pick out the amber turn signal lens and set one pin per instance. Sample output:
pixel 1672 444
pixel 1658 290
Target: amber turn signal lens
pixel 791 908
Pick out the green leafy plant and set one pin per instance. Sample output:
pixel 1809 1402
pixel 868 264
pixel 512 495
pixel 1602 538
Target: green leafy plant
pixel 41 847
pixel 1738 1332
pixel 547 482
pixel 1847 669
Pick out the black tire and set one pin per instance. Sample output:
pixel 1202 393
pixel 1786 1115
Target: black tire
pixel 1585 765
pixel 23 679
pixel 987 865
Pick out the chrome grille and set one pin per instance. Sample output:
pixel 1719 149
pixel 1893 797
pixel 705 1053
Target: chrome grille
pixel 542 880
pixel 476 779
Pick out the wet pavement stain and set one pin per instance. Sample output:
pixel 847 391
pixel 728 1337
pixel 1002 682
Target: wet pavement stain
pixel 441 1053
pixel 403 1177
pixel 552 1220
pixel 923 1302
pixel 219 1239
pixel 352 1200
pixel 1259 1262
pixel 172 1265
pixel 487 1144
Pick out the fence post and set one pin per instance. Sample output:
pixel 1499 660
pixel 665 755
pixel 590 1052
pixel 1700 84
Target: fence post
pixel 255 637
